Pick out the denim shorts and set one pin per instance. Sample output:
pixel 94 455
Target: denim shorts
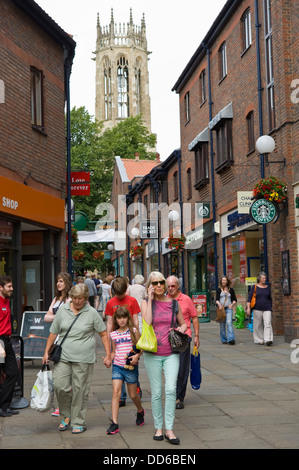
pixel 126 375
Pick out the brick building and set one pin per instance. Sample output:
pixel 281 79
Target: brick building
pixel 35 61
pixel 241 84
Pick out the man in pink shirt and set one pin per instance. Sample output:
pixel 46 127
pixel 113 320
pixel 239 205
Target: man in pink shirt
pixel 188 311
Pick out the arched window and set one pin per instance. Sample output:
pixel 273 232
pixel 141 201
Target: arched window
pixel 107 90
pixel 138 86
pixel 123 87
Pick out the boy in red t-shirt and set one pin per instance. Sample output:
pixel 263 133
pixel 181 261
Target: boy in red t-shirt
pixel 121 299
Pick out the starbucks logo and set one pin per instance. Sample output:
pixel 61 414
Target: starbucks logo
pixel 263 211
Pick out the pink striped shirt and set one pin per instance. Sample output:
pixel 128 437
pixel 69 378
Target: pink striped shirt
pixel 123 345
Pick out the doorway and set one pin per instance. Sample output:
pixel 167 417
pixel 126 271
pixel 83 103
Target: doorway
pixel 32 283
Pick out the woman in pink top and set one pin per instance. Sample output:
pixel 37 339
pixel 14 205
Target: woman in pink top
pixel 157 310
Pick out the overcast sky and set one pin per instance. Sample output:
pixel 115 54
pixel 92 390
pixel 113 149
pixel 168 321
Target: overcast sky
pixel 174 31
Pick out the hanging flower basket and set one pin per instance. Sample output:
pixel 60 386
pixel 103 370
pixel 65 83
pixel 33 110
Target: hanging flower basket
pixel 271 189
pixel 177 243
pixel 74 235
pixel 98 255
pixel 78 255
pixel 136 251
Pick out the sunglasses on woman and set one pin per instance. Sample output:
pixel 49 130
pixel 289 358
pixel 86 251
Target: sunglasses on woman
pixel 155 283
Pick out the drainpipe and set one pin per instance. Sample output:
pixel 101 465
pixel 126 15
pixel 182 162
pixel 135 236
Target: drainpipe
pixel 67 69
pixel 208 52
pixel 261 132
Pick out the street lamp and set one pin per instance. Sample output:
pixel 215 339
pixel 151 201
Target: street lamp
pixel 135 232
pixel 174 216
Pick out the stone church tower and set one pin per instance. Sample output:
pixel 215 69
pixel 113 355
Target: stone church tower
pixel 122 79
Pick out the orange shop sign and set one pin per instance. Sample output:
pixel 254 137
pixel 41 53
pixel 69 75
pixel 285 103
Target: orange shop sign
pixel 22 201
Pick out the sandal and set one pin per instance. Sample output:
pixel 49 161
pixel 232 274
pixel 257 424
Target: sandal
pixel 78 429
pixel 63 426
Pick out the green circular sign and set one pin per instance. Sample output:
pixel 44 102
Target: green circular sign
pixel 263 211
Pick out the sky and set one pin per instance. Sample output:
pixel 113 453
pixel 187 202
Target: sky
pixel 174 31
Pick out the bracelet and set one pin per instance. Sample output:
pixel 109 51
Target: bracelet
pixel 196 336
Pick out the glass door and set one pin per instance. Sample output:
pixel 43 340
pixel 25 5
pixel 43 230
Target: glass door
pixel 32 290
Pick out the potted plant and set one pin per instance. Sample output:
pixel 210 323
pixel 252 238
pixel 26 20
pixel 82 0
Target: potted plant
pixel 271 189
pixel 136 250
pixel 177 242
pixel 78 255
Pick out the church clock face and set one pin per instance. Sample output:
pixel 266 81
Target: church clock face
pixel 263 211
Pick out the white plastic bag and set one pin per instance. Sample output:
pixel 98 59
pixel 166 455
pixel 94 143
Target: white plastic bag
pixel 42 393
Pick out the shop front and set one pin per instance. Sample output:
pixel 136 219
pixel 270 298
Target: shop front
pixel 172 261
pixel 201 270
pixel 243 251
pixel 31 224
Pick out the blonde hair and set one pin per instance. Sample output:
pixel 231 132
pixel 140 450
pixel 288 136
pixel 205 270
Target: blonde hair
pixel 78 290
pixel 156 276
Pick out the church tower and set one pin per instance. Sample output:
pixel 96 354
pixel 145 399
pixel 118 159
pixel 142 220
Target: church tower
pixel 122 78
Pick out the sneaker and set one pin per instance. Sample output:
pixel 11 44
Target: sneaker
pixel 140 418
pixel 122 403
pixel 113 428
pixel 55 412
pixel 139 392
pixel 179 405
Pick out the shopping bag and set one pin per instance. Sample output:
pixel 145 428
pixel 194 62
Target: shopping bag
pixel 147 340
pixel 42 393
pixel 195 372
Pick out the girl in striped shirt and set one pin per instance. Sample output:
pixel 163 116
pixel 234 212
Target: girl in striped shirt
pixel 124 336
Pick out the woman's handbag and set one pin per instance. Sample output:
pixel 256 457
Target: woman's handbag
pixel 147 340
pixel 220 311
pixel 42 393
pixel 195 371
pixel 253 299
pixel 178 341
pixel 56 349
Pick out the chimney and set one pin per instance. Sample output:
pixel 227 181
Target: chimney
pixel 136 157
pixel 158 157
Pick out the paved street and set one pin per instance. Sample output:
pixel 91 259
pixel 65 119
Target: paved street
pixel 249 399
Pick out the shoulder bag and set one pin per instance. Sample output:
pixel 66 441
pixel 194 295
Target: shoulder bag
pixel 178 341
pixel 221 315
pixel 56 349
pixel 253 299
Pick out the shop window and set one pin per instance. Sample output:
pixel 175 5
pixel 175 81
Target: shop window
pixel 201 155
pixel 36 89
pixel 224 145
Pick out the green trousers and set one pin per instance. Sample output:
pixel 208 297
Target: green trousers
pixel 72 385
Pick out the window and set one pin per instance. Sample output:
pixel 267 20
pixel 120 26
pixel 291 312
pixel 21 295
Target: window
pixel 175 185
pixel 201 165
pixel 202 84
pixel 246 29
pixel 187 107
pixel 37 118
pixel 222 61
pixel 107 90
pixel 250 131
pixel 138 86
pixel 269 64
pixel 123 88
pixel 189 183
pixel 224 144
pixel 164 191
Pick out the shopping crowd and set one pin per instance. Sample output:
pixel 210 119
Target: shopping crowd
pixel 119 311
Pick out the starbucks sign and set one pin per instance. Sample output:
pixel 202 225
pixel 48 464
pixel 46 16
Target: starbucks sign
pixel 263 211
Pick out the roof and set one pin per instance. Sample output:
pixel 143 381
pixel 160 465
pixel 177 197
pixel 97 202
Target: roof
pixel 131 168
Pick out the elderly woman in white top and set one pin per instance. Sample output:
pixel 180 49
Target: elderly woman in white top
pixel 137 290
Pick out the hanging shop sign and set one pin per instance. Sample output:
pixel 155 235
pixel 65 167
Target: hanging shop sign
pixel 148 229
pixel 263 211
pixel 80 183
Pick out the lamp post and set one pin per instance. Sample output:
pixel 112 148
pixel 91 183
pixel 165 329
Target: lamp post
pixel 174 216
pixel 265 145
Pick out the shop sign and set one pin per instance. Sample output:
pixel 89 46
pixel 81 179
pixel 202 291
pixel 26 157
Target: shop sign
pixel 152 247
pixel 194 239
pixel 203 210
pixel 148 229
pixel 233 222
pixel 80 183
pixel 263 211
pixel 244 201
